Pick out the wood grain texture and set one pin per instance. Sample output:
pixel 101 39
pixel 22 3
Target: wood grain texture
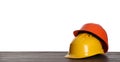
pixel 54 57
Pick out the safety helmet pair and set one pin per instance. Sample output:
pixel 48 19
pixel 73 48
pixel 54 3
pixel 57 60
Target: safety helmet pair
pixel 90 40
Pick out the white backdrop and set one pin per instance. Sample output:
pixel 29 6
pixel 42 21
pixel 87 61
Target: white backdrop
pixel 48 25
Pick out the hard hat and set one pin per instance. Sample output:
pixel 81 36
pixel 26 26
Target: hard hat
pixel 97 31
pixel 84 45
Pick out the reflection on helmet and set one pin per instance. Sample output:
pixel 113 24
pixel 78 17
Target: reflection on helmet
pixel 84 45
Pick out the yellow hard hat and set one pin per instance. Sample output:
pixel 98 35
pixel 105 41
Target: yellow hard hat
pixel 84 45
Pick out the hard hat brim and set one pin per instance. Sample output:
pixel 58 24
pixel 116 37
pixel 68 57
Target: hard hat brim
pixel 74 57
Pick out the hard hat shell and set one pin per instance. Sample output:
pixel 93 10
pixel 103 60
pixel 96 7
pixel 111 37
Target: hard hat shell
pixel 83 46
pixel 97 31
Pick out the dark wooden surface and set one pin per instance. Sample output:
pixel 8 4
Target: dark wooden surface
pixel 54 57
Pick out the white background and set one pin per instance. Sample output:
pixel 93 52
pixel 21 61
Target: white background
pixel 48 25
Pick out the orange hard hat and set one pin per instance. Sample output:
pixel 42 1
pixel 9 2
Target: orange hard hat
pixel 97 31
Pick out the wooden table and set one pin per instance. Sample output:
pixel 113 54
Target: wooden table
pixel 54 57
